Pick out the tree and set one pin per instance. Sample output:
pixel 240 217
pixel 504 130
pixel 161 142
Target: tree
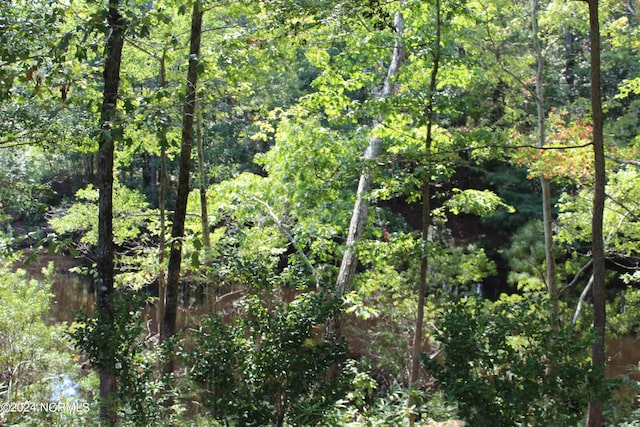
pixel 547 215
pixel 202 184
pixel 597 239
pixel 109 130
pixel 358 222
pixel 426 208
pixel 29 41
pixel 168 328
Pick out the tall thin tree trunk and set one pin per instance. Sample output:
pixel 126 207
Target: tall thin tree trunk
pixel 597 239
pixel 547 214
pixel 570 63
pixel 202 176
pixel 105 250
pixel 162 198
pixel 358 222
pixel 426 218
pixel 177 231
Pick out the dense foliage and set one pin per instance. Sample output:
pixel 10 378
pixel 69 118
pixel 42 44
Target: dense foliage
pixel 269 367
pixel 504 366
pixel 433 128
pixel 36 364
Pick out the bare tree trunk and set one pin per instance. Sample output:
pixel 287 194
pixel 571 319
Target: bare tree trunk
pixel 547 215
pixel 162 281
pixel 177 231
pixel 358 222
pixel 594 417
pixel 203 187
pixel 162 198
pixel 105 255
pixel 426 219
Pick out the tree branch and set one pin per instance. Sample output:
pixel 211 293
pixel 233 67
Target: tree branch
pixel 577 276
pixel 505 147
pixel 583 296
pixel 291 239
pixel 623 161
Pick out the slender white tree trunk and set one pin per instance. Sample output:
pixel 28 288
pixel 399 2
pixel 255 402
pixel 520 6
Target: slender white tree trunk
pixel 547 215
pixel 358 222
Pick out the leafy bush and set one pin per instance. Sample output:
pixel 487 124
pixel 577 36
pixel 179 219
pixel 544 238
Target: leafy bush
pixel 625 316
pixel 504 366
pixel 23 198
pixel 391 409
pixel 270 366
pixel 119 344
pixel 32 353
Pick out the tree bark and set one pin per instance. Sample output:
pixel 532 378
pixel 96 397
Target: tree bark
pixel 177 231
pixel 594 417
pixel 162 280
pixel 426 218
pixel 202 178
pixel 358 223
pixel 547 214
pixel 105 249
pixel 162 198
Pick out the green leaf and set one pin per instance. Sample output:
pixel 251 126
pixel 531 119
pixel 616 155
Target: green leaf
pixel 195 260
pixel 476 202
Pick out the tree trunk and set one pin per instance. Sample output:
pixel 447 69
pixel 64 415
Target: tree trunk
pixel 105 250
pixel 426 219
pixel 162 198
pixel 177 231
pixel 597 241
pixel 569 72
pixel 206 240
pixel 547 215
pixel 358 222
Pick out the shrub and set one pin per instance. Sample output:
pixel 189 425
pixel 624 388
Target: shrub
pixel 32 353
pixel 121 345
pixel 270 366
pixel 504 366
